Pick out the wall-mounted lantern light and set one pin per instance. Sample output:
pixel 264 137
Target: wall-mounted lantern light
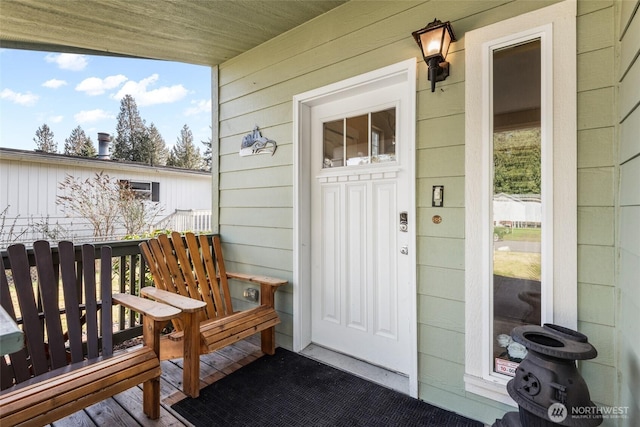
pixel 434 40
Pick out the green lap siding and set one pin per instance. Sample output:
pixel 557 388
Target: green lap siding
pixel 628 215
pixel 254 197
pixel 256 205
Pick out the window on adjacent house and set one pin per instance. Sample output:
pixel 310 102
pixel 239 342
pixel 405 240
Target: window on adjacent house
pixel 364 139
pixel 144 190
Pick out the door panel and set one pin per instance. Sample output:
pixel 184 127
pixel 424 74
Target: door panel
pixel 360 279
pixel 331 255
pixel 385 253
pixel 356 268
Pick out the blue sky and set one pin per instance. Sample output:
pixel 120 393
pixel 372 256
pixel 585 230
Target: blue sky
pixel 67 90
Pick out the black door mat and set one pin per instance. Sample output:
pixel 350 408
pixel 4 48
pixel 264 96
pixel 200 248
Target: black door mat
pixel 289 389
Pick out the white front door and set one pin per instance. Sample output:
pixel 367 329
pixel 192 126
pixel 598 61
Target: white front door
pixel 363 226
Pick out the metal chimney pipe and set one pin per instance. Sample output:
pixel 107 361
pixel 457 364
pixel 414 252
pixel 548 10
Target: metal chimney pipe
pixel 104 139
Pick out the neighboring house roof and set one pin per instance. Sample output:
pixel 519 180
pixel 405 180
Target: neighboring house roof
pixel 178 31
pixel 63 159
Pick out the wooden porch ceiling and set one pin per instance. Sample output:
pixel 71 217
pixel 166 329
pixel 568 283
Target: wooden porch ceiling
pixel 205 32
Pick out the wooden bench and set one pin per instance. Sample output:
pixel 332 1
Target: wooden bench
pixel 56 373
pixel 185 276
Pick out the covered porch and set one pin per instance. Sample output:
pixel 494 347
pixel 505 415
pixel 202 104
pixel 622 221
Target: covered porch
pixel 265 53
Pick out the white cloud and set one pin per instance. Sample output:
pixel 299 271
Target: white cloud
pixel 144 96
pixel 87 116
pixel 201 106
pixel 54 83
pixel 27 99
pixel 56 119
pixel 97 86
pixel 67 61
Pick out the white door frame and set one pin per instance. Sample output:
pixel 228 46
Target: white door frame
pixel 402 72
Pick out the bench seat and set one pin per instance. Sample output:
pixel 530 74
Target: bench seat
pixel 66 390
pixel 59 373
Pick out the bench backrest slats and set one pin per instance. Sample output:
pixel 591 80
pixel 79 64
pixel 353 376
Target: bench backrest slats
pixel 222 272
pixel 176 256
pixel 106 327
pixel 89 279
pixel 81 309
pixel 19 368
pixel 159 269
pixel 187 266
pixel 49 289
pixel 72 303
pixel 193 267
pixel 34 334
pixel 221 297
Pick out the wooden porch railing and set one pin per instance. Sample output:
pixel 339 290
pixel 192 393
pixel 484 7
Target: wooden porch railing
pixel 130 273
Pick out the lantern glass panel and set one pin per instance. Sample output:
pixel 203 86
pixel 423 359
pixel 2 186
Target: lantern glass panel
pixel 431 42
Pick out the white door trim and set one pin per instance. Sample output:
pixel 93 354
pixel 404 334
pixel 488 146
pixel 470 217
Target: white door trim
pixel 402 72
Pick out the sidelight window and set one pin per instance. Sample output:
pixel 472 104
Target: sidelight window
pixel 520 188
pixel 517 222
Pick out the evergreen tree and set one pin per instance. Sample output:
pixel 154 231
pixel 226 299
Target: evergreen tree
pixel 517 162
pixel 159 151
pixel 206 156
pixel 79 144
pixel 44 140
pixel 88 149
pixel 132 140
pixel 185 154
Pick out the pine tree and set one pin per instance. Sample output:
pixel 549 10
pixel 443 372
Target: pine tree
pixel 88 149
pixel 207 156
pixel 159 151
pixel 185 154
pixel 44 140
pixel 79 144
pixel 132 140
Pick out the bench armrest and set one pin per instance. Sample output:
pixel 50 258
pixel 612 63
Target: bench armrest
pixel 154 310
pixel 183 303
pixel 262 280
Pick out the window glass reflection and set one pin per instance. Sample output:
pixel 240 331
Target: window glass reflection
pixel 517 199
pixel 364 139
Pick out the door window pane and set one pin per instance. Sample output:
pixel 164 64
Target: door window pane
pixel 517 199
pixel 357 140
pixel 364 139
pixel 333 142
pixel 383 136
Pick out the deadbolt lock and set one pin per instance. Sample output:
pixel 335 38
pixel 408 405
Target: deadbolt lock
pixel 404 221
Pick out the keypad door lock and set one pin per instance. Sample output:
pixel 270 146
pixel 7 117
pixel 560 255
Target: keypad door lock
pixel 404 221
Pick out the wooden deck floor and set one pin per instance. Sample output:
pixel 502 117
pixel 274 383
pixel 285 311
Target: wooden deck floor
pixel 125 409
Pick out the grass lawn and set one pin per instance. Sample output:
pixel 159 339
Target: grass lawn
pixel 524 235
pixel 522 265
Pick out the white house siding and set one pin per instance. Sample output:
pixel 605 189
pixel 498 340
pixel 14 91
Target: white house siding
pixel 29 184
pixel 525 211
pixel 628 286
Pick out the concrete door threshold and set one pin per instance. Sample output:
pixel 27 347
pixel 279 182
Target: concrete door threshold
pixel 373 373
